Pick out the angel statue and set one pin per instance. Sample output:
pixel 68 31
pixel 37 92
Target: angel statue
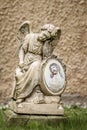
pixel 35 48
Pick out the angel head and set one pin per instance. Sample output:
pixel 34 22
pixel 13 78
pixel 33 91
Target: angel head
pixel 49 31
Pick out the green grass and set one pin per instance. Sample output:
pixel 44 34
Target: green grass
pixel 76 120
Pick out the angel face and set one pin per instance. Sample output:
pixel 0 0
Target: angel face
pixel 44 35
pixel 49 31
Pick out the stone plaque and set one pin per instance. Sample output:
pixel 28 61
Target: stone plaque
pixel 53 77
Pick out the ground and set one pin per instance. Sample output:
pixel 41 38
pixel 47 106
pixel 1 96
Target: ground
pixel 76 118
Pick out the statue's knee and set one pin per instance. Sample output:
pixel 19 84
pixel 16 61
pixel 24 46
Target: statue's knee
pixel 36 64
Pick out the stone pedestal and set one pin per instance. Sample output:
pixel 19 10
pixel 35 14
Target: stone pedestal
pixel 36 109
pixel 22 119
pixel 25 112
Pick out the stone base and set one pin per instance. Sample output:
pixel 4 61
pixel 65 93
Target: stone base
pixel 26 112
pixel 23 119
pixel 37 109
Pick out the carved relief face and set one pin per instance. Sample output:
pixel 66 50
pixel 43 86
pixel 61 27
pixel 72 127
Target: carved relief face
pixel 54 69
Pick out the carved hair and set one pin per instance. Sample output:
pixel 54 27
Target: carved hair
pixel 54 31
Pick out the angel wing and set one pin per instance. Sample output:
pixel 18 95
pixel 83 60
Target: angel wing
pixel 23 30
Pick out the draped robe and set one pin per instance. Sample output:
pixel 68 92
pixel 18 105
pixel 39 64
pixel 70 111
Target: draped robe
pixel 27 78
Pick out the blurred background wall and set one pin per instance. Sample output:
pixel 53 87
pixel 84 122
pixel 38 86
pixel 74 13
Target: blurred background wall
pixel 69 15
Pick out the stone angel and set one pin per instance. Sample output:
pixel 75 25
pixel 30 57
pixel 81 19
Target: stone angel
pixel 34 49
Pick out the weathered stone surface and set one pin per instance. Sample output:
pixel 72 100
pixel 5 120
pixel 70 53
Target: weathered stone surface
pixel 70 15
pixel 39 109
pixel 14 118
